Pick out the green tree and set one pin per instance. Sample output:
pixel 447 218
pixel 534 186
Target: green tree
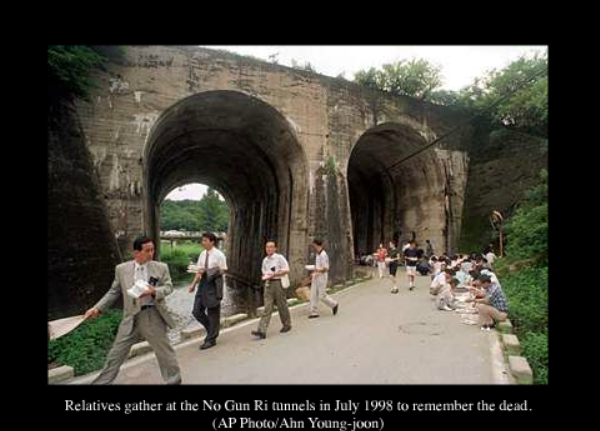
pixel 371 78
pixel 214 214
pixel 524 85
pixel 415 78
pixel 210 213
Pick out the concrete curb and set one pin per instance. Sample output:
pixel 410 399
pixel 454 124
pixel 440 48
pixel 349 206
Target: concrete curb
pixel 60 374
pixel 520 369
pixel 518 365
pixel 142 351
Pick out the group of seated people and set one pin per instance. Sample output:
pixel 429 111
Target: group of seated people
pixel 473 274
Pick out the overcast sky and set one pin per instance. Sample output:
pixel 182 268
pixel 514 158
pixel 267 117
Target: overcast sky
pixel 460 65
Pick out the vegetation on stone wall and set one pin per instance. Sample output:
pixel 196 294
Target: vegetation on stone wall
pixel 69 68
pixel 69 74
pixel 527 287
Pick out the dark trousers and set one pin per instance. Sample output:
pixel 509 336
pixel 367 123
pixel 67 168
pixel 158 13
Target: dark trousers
pixel 210 318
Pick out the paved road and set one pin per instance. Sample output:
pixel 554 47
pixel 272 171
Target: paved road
pixel 376 338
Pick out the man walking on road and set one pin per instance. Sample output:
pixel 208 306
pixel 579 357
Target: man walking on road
pixel 207 304
pixel 319 282
pixel 145 317
pixel 274 268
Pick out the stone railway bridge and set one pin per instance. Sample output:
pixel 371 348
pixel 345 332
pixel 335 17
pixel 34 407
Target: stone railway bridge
pixel 297 155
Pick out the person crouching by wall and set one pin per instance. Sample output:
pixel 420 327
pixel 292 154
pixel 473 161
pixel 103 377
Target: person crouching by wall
pixel 445 299
pixel 494 306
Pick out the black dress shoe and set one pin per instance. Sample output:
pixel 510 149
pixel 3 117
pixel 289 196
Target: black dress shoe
pixel 335 309
pixel 259 334
pixel 208 345
pixel 313 316
pixel 286 329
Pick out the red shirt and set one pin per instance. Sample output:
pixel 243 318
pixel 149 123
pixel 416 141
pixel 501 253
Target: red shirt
pixel 381 254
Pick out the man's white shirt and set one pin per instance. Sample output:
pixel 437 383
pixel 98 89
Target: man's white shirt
pixel 276 261
pixel 216 259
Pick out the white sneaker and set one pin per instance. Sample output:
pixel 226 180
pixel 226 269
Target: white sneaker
pixel 447 308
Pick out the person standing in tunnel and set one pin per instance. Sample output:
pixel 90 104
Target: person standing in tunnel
pixel 207 304
pixel 275 270
pixel 380 256
pixel 394 257
pixel 411 255
pixel 318 287
pixel 428 249
pixel 145 317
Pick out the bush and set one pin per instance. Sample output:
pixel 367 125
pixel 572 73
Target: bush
pixel 528 233
pixel 178 262
pixel 527 292
pixel 179 257
pixel 535 349
pixel 527 228
pixel 527 288
pixel 85 348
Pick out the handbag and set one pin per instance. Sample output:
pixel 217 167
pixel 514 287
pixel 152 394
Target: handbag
pixel 285 281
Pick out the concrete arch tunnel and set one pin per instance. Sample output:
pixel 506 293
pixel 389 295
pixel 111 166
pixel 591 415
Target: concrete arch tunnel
pixel 247 151
pixel 390 202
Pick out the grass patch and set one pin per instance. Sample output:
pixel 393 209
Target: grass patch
pixel 86 347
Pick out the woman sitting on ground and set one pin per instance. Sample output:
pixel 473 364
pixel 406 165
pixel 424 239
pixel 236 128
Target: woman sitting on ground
pixel 445 299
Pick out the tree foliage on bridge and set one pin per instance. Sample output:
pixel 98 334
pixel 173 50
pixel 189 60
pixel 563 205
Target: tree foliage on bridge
pixel 525 108
pixel 415 78
pixel 210 213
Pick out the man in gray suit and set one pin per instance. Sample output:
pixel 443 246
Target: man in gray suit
pixel 146 317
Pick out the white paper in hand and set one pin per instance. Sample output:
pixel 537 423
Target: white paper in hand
pixel 193 269
pixel 138 289
pixel 60 327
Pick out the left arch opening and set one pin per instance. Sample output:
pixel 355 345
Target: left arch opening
pixel 245 149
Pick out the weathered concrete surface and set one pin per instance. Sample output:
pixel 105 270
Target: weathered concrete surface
pixel 278 143
pixel 511 344
pixel 376 337
pixel 82 250
pixel 60 374
pixel 505 327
